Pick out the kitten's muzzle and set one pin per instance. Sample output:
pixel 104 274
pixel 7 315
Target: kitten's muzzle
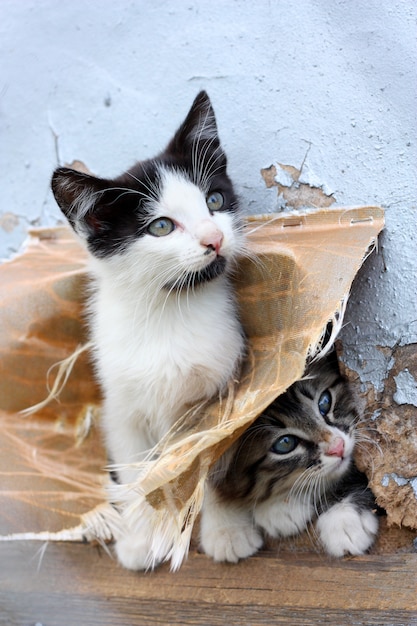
pixel 209 236
pixel 336 447
pixel 193 279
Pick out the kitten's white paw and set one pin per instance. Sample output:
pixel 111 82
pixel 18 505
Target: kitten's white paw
pixel 227 532
pixel 139 545
pixel 283 519
pixel 231 543
pixel 343 529
pixel 132 551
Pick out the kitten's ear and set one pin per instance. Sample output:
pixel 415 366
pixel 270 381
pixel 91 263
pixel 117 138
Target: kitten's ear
pixel 198 131
pixel 79 197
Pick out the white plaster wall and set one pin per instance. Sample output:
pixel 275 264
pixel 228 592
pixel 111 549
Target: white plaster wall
pixel 108 82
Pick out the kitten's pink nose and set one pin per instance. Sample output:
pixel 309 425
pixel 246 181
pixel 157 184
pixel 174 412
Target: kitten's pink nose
pixel 336 447
pixel 209 235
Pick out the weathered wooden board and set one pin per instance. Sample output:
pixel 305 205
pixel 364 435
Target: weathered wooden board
pixel 80 585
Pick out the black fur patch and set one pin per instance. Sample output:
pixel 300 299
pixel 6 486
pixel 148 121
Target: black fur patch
pixel 194 279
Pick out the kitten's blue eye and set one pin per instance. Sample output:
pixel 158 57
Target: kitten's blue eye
pixel 285 444
pixel 325 402
pixel 161 227
pixel 215 201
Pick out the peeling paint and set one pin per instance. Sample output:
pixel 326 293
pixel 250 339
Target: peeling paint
pixel 309 177
pixel 282 177
pixel 297 188
pixel 406 388
pixel 371 363
pixel 400 481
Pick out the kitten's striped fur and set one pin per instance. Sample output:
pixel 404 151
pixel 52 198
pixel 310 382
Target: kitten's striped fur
pixel 293 465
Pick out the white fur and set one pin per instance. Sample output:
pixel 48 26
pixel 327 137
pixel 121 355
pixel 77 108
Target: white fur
pixel 344 529
pixel 158 351
pixel 284 518
pixel 134 537
pixel 228 532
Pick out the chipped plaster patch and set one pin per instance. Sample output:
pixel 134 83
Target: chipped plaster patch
pixel 400 481
pixel 406 388
pixel 297 188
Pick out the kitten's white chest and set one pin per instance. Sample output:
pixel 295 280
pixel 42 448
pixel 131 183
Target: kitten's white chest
pixel 156 361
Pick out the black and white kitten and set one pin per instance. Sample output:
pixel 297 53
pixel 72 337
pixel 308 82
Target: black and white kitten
pixel 293 465
pixel 162 239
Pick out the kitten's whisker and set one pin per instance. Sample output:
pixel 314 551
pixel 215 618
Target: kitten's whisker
pixel 302 482
pixel 194 158
pixel 211 173
pixel 315 480
pixel 320 495
pixel 370 465
pixel 374 434
pixel 256 260
pixel 198 138
pixel 156 291
pixel 313 489
pixel 176 288
pixel 124 190
pixel 208 169
pixel 360 437
pixel 179 296
pixel 244 440
pixel 153 188
pixel 371 461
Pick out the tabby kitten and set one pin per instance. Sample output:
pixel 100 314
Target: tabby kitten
pixel 163 239
pixel 294 464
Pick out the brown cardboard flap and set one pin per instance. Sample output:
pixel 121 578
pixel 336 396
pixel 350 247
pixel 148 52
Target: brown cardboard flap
pixel 51 463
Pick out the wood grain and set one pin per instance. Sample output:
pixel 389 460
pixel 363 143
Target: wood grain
pixel 80 585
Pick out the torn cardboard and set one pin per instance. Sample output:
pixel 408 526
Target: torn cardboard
pixel 51 475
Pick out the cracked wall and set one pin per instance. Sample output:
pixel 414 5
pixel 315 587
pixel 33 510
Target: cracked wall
pixel 325 93
pixel 391 461
pixel 385 373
